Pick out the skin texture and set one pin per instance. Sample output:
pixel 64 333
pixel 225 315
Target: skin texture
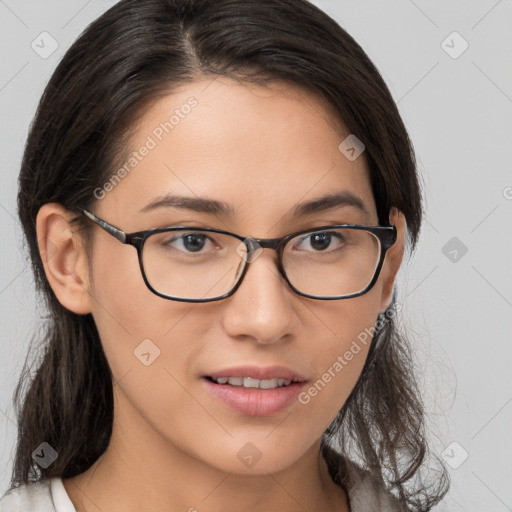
pixel 174 447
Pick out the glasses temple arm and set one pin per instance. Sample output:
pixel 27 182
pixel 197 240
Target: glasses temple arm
pixel 112 230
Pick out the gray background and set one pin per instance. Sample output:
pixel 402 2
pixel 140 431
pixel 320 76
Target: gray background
pixel 457 305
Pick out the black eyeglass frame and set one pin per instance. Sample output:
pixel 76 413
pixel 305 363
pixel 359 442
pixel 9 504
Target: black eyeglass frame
pixel 386 234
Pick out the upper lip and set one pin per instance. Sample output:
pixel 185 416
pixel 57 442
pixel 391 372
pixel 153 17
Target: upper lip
pixel 259 372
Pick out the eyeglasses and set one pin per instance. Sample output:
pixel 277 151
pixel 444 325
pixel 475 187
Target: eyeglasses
pixel 192 264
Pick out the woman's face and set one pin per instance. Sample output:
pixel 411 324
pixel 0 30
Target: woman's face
pixel 262 151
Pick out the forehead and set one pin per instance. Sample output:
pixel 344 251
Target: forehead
pixel 262 150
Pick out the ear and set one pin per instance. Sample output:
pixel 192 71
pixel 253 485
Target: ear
pixel 393 260
pixel 64 258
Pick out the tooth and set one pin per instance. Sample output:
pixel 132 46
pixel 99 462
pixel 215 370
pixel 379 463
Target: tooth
pixel 268 383
pixel 251 383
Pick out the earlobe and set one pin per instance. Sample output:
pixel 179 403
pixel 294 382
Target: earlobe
pixel 63 256
pixel 393 259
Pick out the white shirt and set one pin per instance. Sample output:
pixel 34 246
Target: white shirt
pixel 44 496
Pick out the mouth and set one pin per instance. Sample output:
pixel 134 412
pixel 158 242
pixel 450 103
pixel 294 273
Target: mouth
pixel 250 383
pixel 255 390
pixel 251 376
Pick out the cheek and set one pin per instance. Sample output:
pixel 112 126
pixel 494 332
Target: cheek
pixel 344 352
pixel 137 328
pixel 146 340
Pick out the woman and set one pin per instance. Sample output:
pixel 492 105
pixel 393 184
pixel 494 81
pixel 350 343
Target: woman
pixel 243 355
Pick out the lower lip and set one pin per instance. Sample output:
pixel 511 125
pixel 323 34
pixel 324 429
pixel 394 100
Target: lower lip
pixel 255 401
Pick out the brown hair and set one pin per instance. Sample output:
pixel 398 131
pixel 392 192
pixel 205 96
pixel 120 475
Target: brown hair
pixel 135 53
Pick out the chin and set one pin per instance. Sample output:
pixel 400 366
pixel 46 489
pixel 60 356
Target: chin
pixel 258 458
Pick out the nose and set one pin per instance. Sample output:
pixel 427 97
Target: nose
pixel 261 307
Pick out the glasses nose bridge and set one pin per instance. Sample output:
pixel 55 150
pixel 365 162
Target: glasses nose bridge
pixel 257 244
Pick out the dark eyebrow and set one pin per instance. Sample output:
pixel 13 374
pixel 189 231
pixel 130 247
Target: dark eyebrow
pixel 330 201
pixel 211 206
pixel 197 204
